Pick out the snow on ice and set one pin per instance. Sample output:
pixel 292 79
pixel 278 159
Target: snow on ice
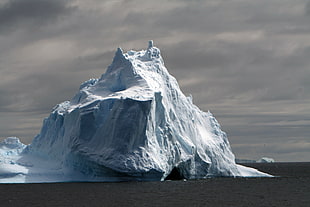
pixel 133 123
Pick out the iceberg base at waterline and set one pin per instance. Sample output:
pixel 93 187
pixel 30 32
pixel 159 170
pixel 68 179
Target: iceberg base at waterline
pixel 17 166
pixel 132 123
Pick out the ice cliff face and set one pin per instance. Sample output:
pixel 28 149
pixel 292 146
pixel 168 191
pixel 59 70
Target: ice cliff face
pixel 134 123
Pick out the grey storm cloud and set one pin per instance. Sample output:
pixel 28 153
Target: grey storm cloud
pixel 307 8
pixel 246 61
pixel 16 13
pixel 242 69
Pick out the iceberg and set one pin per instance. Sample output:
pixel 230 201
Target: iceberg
pixel 132 123
pixel 265 160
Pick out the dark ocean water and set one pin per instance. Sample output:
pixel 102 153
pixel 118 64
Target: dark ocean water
pixel 290 187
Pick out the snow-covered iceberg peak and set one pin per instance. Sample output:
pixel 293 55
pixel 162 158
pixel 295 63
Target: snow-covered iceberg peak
pixel 134 123
pixel 151 43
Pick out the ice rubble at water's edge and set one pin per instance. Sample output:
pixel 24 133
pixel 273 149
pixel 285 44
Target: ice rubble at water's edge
pixel 133 123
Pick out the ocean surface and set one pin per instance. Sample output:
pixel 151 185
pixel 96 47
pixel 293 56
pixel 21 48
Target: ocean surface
pixel 289 187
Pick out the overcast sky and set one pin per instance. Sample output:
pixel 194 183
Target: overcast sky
pixel 248 62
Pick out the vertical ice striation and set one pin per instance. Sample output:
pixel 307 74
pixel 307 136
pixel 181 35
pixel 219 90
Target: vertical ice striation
pixel 134 123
